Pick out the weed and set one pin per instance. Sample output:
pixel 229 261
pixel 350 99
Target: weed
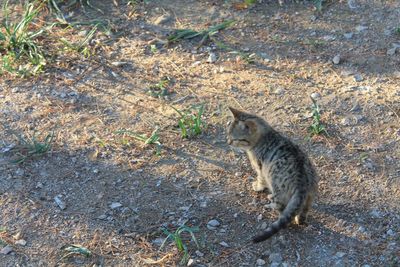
pixel 190 121
pixel 28 148
pixel 205 34
pixel 397 30
pixel 250 2
pixel 160 89
pixel 75 250
pixel 249 58
pixel 153 49
pixel 18 42
pixel 178 240
pixel 315 43
pixel 82 46
pixel 316 128
pixel 363 156
pixel 154 138
pixel 318 5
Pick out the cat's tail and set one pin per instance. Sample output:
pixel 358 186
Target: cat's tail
pixel 285 218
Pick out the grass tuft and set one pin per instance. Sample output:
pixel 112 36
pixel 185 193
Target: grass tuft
pixel 28 148
pixel 20 51
pixel 190 122
pixel 317 127
pixel 83 45
pixel 72 250
pixel 153 140
pixel 205 35
pixel 179 241
pixel 160 89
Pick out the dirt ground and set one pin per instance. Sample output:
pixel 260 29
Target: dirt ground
pixel 118 194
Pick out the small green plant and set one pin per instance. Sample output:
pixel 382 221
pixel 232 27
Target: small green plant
pixel 190 122
pixel 31 147
pixel 205 35
pixel 81 46
pixel 160 89
pixel 397 30
pixel 318 5
pixel 316 128
pixel 153 49
pixel 153 140
pixel 250 2
pixel 179 241
pixel 315 43
pixel 247 57
pixel 71 250
pixel 20 51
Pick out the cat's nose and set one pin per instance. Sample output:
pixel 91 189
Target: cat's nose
pixel 229 141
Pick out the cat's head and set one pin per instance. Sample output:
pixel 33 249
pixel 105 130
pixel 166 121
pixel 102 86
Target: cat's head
pixel 245 130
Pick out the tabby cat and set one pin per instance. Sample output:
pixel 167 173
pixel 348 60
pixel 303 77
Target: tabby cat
pixel 281 167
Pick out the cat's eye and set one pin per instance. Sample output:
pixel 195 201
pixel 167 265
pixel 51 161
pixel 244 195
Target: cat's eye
pixel 229 123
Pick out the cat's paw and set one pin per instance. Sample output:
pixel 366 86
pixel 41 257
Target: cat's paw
pixel 258 187
pixel 300 220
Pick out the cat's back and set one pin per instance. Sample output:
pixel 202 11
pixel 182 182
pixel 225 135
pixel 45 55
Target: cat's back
pixel 283 156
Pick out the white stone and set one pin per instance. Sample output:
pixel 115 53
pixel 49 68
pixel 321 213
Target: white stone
pixel 20 242
pixel 6 250
pixel 115 205
pixel 224 244
pixel 340 254
pixel 260 262
pixel 59 202
pixel 190 262
pixel 336 59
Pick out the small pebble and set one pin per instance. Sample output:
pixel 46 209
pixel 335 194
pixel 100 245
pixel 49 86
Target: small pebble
pixel 260 262
pixel 20 242
pixel 224 244
pixel 213 224
pixel 115 205
pixel 336 59
pixel 391 51
pixel 315 95
pixel 358 77
pixel 279 91
pixel 340 254
pixel 375 214
pixel 190 262
pixel 361 28
pixel 199 253
pixel 212 58
pixel 361 229
pixel 102 217
pixel 390 232
pixel 6 250
pixel 348 35
pixel 59 202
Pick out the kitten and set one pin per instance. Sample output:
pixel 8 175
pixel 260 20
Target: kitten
pixel 280 166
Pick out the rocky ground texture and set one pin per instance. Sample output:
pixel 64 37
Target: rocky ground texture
pixel 112 195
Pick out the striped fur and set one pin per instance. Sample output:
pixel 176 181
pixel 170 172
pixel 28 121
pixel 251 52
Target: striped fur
pixel 281 167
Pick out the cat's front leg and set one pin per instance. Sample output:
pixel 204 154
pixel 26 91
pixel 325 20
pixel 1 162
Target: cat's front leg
pixel 259 184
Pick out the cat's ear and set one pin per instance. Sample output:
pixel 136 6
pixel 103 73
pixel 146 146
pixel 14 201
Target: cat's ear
pixel 236 113
pixel 251 125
